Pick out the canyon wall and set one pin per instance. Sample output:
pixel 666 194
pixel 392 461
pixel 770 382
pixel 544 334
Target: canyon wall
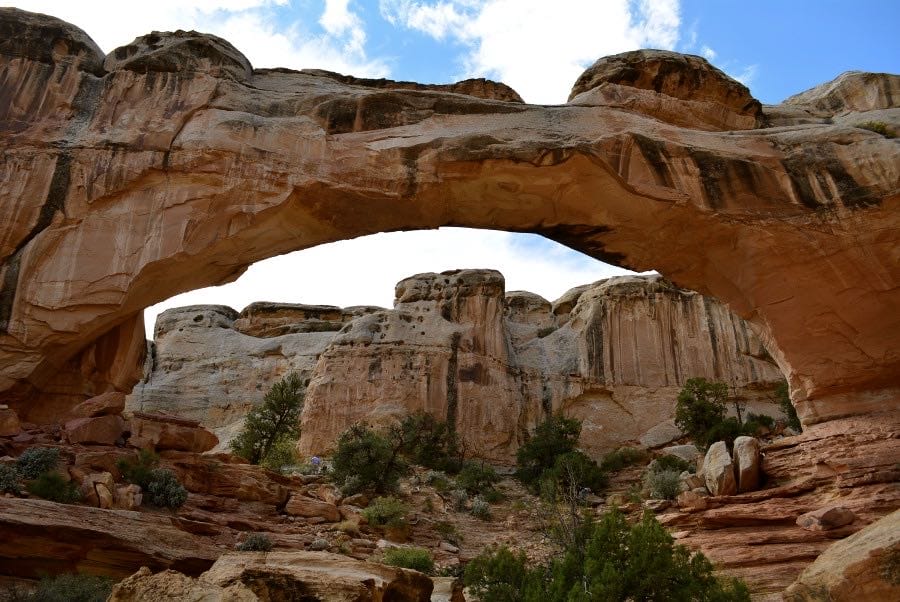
pixel 172 164
pixel 613 354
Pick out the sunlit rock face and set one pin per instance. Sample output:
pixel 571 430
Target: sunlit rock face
pixel 613 354
pixel 172 164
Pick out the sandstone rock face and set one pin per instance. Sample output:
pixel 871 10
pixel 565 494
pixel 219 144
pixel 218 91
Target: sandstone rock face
pixel 101 405
pixel 860 567
pixel 104 430
pixel 825 519
pixel 174 586
pixel 304 506
pixel 9 423
pixel 162 432
pixel 718 470
pixel 747 463
pixel 214 165
pixel 614 354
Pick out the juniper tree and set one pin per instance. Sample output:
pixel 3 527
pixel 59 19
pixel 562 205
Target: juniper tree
pixel 276 420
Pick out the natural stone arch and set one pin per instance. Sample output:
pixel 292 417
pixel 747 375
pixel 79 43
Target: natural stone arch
pixel 171 164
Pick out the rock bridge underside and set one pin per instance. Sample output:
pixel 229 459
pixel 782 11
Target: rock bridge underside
pixel 171 164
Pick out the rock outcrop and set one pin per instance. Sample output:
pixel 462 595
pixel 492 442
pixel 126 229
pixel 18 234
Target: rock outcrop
pixel 213 165
pixel 613 354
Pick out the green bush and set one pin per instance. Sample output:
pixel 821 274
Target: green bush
pixel 617 562
pixel 460 499
pixel 367 460
pixel 386 512
pixel 417 559
pixel 282 453
pixel 783 397
pixel 164 490
pixel 476 477
pixel 701 408
pixel 554 437
pixel 9 480
pixel 670 462
pixel 278 418
pixel 448 532
pixel 728 430
pixel 53 487
pixel 428 442
pixel 480 509
pixel 140 469
pixel 574 471
pixel 35 461
pixel 757 423
pixel 879 127
pixel 73 588
pixel 492 496
pixel 621 458
pixel 663 484
pixel 255 542
pixel 437 479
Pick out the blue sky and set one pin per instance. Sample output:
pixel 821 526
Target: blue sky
pixel 539 47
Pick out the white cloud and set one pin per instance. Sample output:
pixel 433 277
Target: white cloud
pixel 538 47
pixel 363 271
pixel 708 53
pixel 746 75
pixel 253 26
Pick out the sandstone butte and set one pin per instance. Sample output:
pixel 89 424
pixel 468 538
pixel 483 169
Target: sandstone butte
pixel 172 164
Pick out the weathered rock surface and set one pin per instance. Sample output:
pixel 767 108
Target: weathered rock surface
pixel 109 403
pixel 300 505
pixel 825 519
pixel 214 165
pixel 173 586
pixel 747 463
pixel 863 566
pixel 104 430
pixel 164 432
pixel 718 470
pixel 9 423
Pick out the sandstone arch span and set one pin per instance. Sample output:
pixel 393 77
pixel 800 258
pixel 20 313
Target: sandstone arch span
pixel 172 164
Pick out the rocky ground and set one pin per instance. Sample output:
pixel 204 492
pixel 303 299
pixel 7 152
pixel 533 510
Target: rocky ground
pixel 753 535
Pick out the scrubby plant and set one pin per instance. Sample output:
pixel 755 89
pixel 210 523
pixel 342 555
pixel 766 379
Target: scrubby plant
pixel 53 487
pixel 459 499
pixel 575 471
pixel 756 423
pixel 366 460
pixel 623 457
pixel 417 559
pixel 9 480
pixel 615 562
pixel 448 532
pixel 554 437
pixel 164 489
pixel 255 542
pixel 480 509
pixel 670 462
pixel 71 587
pixel 437 479
pixel 783 398
pixel 139 470
pixel 427 441
pixel 282 454
pixel 277 419
pixel 386 512
pixel 37 460
pixel 700 408
pixel 477 477
pixel 727 430
pixel 879 127
pixel 663 484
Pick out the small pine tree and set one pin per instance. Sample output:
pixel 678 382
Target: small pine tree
pixel 701 408
pixel 783 397
pixel 276 419
pixel 554 437
pixel 367 460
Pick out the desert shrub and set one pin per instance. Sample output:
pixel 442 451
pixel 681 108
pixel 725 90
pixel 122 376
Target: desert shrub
pixel 575 471
pixel 783 397
pixel 35 461
pixel 480 509
pixel 73 588
pixel 879 127
pixel 663 484
pixel 493 496
pixel 164 490
pixel 701 408
pixel 139 470
pixel 255 542
pixel 437 479
pixel 365 459
pixel 554 437
pixel 9 480
pixel 282 453
pixel 616 562
pixel 448 532
pixel 728 430
pixel 621 458
pixel 278 418
pixel 669 462
pixel 428 442
pixel 476 477
pixel 460 499
pixel 755 423
pixel 386 512
pixel 53 487
pixel 417 559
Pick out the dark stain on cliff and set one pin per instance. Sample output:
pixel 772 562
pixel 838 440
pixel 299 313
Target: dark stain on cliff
pixel 654 153
pixel 798 163
pixel 585 239
pixel 713 336
pixel 452 382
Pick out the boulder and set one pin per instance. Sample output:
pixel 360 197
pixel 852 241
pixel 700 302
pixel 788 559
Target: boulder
pixel 688 453
pixel 718 470
pixel 128 497
pixel 309 507
pixel 863 566
pixel 112 402
pixel 173 586
pixel 691 500
pixel 9 423
pixel 103 430
pixel 163 432
pixel 661 434
pixel 97 489
pixel 747 463
pixel 825 519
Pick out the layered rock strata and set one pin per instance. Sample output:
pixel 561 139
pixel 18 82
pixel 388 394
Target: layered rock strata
pixel 172 164
pixel 613 354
